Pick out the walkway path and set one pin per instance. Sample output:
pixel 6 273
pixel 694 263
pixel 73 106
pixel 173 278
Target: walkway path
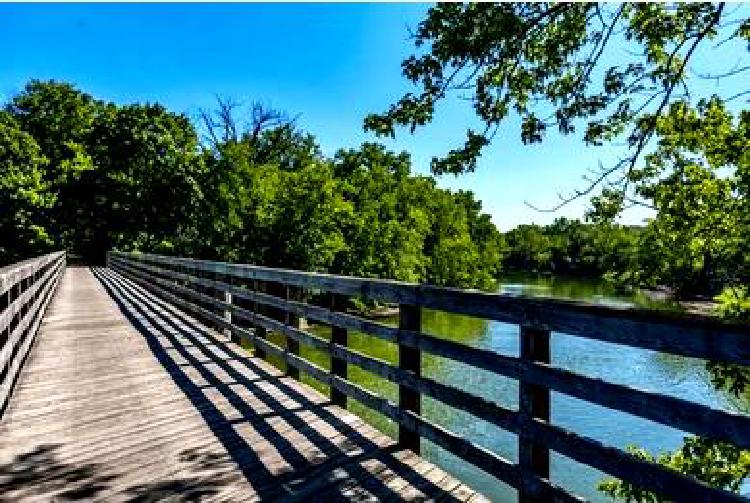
pixel 165 408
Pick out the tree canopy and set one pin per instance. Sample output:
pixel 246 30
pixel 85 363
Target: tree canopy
pixel 552 65
pixel 89 176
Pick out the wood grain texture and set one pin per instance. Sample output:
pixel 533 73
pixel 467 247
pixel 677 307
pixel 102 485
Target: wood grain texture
pixel 27 288
pixel 665 409
pixel 128 398
pixel 181 282
pixel 678 333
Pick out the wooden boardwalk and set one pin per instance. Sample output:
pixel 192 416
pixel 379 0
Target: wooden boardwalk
pixel 126 398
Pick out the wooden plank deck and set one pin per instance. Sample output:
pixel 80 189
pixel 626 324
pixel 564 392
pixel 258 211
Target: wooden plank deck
pixel 164 408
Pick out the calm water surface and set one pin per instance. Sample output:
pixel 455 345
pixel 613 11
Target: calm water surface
pixel 678 376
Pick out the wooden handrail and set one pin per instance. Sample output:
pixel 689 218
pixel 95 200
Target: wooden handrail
pixel 226 295
pixel 25 290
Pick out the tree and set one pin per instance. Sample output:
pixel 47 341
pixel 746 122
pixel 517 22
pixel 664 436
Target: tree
pixel 60 118
pixel 25 198
pixel 118 176
pixel 700 190
pixel 387 232
pixel 528 248
pixel 135 177
pixel 145 188
pixel 548 64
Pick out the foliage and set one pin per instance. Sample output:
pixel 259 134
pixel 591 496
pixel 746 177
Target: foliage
pixel 24 195
pixel 734 303
pixel 697 178
pixel 89 176
pixel 572 247
pixel 148 166
pixel 719 464
pixel 548 64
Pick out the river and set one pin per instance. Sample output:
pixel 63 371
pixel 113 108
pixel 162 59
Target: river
pixel 678 376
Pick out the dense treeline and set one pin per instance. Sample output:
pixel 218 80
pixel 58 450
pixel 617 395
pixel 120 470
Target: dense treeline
pixel 675 253
pixel 572 247
pixel 88 176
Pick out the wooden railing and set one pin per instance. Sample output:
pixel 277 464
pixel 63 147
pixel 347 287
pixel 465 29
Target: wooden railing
pixel 247 301
pixel 25 290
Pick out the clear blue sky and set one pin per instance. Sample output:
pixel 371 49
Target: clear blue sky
pixel 331 63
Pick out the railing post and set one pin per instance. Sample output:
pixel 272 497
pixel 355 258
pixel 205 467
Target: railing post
pixel 227 313
pixel 260 332
pixel 5 332
pixel 409 359
pixel 339 336
pixel 290 320
pixel 533 402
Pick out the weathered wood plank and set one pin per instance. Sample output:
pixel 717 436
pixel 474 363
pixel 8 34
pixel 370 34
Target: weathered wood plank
pixel 175 410
pixel 30 305
pixel 479 456
pixel 339 339
pixel 668 410
pixel 410 364
pixel 533 403
pixel 687 335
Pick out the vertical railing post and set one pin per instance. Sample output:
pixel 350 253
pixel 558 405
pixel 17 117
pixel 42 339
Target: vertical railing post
pixel 339 336
pixel 290 320
pixel 260 332
pixel 226 278
pixel 5 333
pixel 410 360
pixel 533 403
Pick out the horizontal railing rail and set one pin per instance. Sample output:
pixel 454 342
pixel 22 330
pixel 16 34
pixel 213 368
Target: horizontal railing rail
pixel 25 290
pixel 249 301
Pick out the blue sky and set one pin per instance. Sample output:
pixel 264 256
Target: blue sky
pixel 331 63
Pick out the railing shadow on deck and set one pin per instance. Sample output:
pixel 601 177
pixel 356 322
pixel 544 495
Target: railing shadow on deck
pixel 44 473
pixel 247 302
pixel 337 468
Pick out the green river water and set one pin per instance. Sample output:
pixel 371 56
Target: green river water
pixel 673 375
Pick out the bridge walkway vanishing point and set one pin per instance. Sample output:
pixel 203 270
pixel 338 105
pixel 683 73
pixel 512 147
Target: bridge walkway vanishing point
pixel 124 397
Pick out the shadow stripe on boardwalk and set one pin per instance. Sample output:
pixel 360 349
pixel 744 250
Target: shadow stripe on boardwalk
pixel 167 407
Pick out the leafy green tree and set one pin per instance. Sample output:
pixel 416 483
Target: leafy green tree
pixel 529 248
pixel 137 177
pixel 549 64
pixel 700 190
pixel 717 463
pixel 387 233
pixel 59 117
pixel 145 189
pixel 25 198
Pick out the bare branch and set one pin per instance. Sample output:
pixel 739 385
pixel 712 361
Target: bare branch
pixel 737 69
pixel 645 136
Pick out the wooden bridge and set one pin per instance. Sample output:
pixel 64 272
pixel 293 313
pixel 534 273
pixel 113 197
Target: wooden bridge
pixel 149 380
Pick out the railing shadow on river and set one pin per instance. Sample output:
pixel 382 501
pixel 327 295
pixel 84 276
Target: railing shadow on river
pixel 248 302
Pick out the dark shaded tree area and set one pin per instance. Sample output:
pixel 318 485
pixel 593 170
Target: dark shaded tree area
pixel 89 176
pixel 575 248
